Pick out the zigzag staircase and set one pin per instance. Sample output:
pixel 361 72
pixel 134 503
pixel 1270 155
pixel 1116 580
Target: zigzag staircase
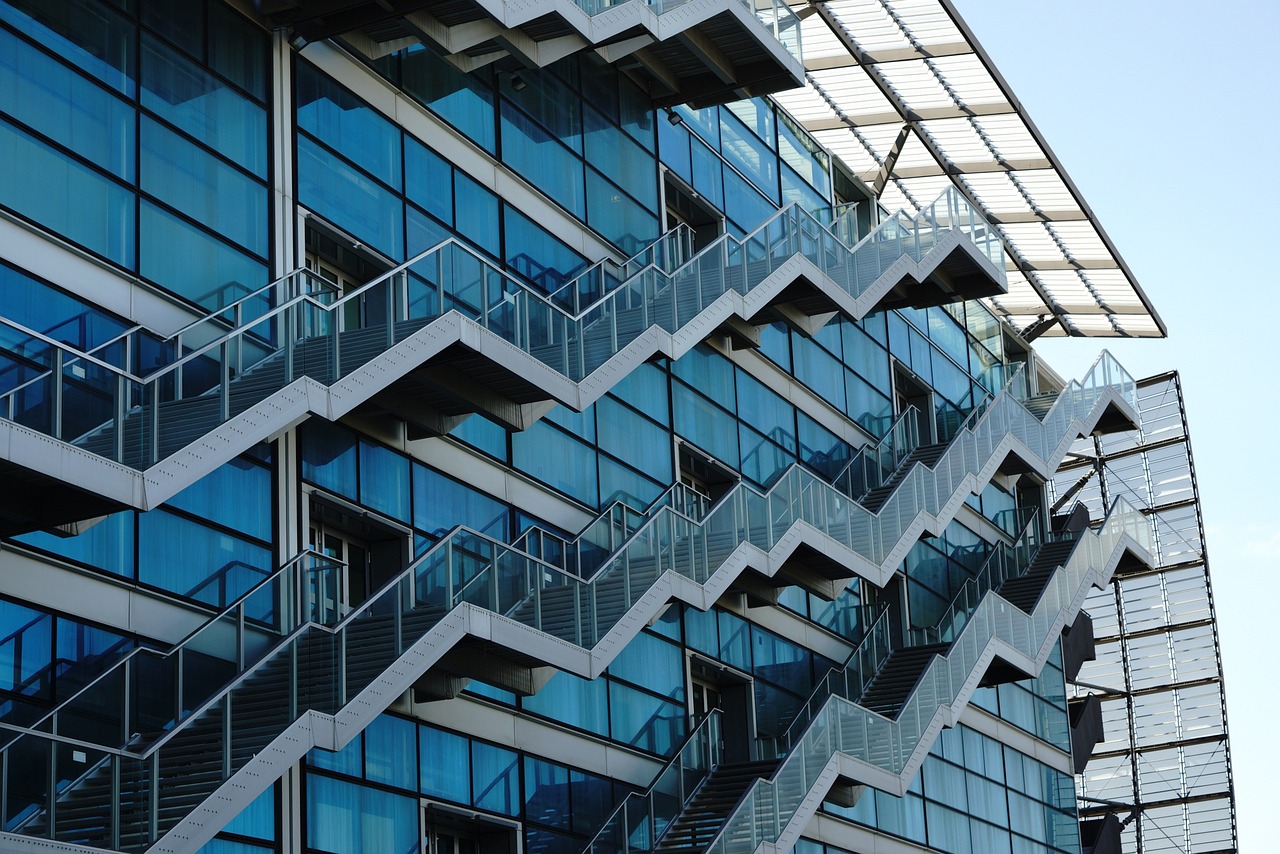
pixel 322 685
pixel 844 739
pixel 879 676
pixel 453 334
pixel 680 51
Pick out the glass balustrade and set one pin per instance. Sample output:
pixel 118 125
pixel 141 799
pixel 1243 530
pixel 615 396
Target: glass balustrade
pixel 323 669
pixel 642 817
pixel 896 745
pixel 138 421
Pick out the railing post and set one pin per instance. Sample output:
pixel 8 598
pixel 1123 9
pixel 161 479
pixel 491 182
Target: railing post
pixel 153 795
pixel 114 832
pixel 57 393
pixel 181 680
pixel 122 390
pixel 341 656
pixel 153 445
pixel 289 334
pixel 126 704
pixel 51 802
pixel 240 636
pixel 224 381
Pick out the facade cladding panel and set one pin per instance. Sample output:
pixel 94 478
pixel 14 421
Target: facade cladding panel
pixel 1165 769
pixel 354 503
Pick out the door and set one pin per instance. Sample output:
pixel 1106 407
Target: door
pixel 448 840
pixel 713 686
pixel 342 546
pixel 910 391
pixel 684 206
pixel 352 314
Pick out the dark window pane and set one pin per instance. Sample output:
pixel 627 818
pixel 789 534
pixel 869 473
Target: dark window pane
pixel 184 95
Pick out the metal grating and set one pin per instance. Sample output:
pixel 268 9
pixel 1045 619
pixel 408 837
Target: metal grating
pixel 879 68
pixel 1164 768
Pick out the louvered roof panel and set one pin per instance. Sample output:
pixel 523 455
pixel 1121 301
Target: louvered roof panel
pixel 879 66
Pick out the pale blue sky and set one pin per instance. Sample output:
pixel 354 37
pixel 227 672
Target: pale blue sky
pixel 1164 114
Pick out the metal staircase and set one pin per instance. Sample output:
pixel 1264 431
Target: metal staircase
pixel 840 738
pixel 879 675
pixel 321 685
pixel 679 51
pixel 704 813
pixel 449 334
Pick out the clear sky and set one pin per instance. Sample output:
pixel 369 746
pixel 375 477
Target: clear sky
pixel 1165 115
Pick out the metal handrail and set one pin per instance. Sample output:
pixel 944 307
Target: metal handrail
pixel 184 642
pixel 762 807
pixel 437 571
pixel 707 731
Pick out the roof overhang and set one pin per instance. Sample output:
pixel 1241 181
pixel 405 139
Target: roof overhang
pixel 902 92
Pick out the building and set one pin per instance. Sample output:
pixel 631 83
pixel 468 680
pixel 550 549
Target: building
pixel 1164 769
pixel 556 427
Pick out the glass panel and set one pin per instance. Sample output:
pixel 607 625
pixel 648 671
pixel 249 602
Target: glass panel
pixel 181 93
pixel 350 200
pixel 57 102
pixel 348 125
pixel 193 264
pixel 203 187
pixel 92 36
pixel 66 197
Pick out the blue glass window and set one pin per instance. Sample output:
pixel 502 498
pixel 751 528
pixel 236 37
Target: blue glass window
pixel 444 765
pixel 205 188
pixel 329 457
pixel 92 36
pixel 645 721
pixel 619 483
pixel 348 760
pixel 460 99
pixel 542 160
pixel 627 164
pixel 645 389
pixel 258 819
pixel 558 460
pixel 192 263
pixel 484 435
pixel 477 218
pixel 546 792
pixel 236 495
pixel 578 702
pixel 27 646
pixel 60 194
pixel 108 545
pixel 428 179
pixel 346 817
pixel 384 481
pixel 348 125
pixel 349 199
pixel 705 424
pixel 495 779
pixel 191 560
pixel 440 502
pixel 238 50
pixel 616 216
pixel 652 663
pixel 178 91
pixel 389 745
pixel 535 254
pixel 634 439
pixel 52 99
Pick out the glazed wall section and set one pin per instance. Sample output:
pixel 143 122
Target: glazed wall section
pixel 159 148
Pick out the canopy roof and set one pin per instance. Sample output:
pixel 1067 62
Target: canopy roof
pixel 904 95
